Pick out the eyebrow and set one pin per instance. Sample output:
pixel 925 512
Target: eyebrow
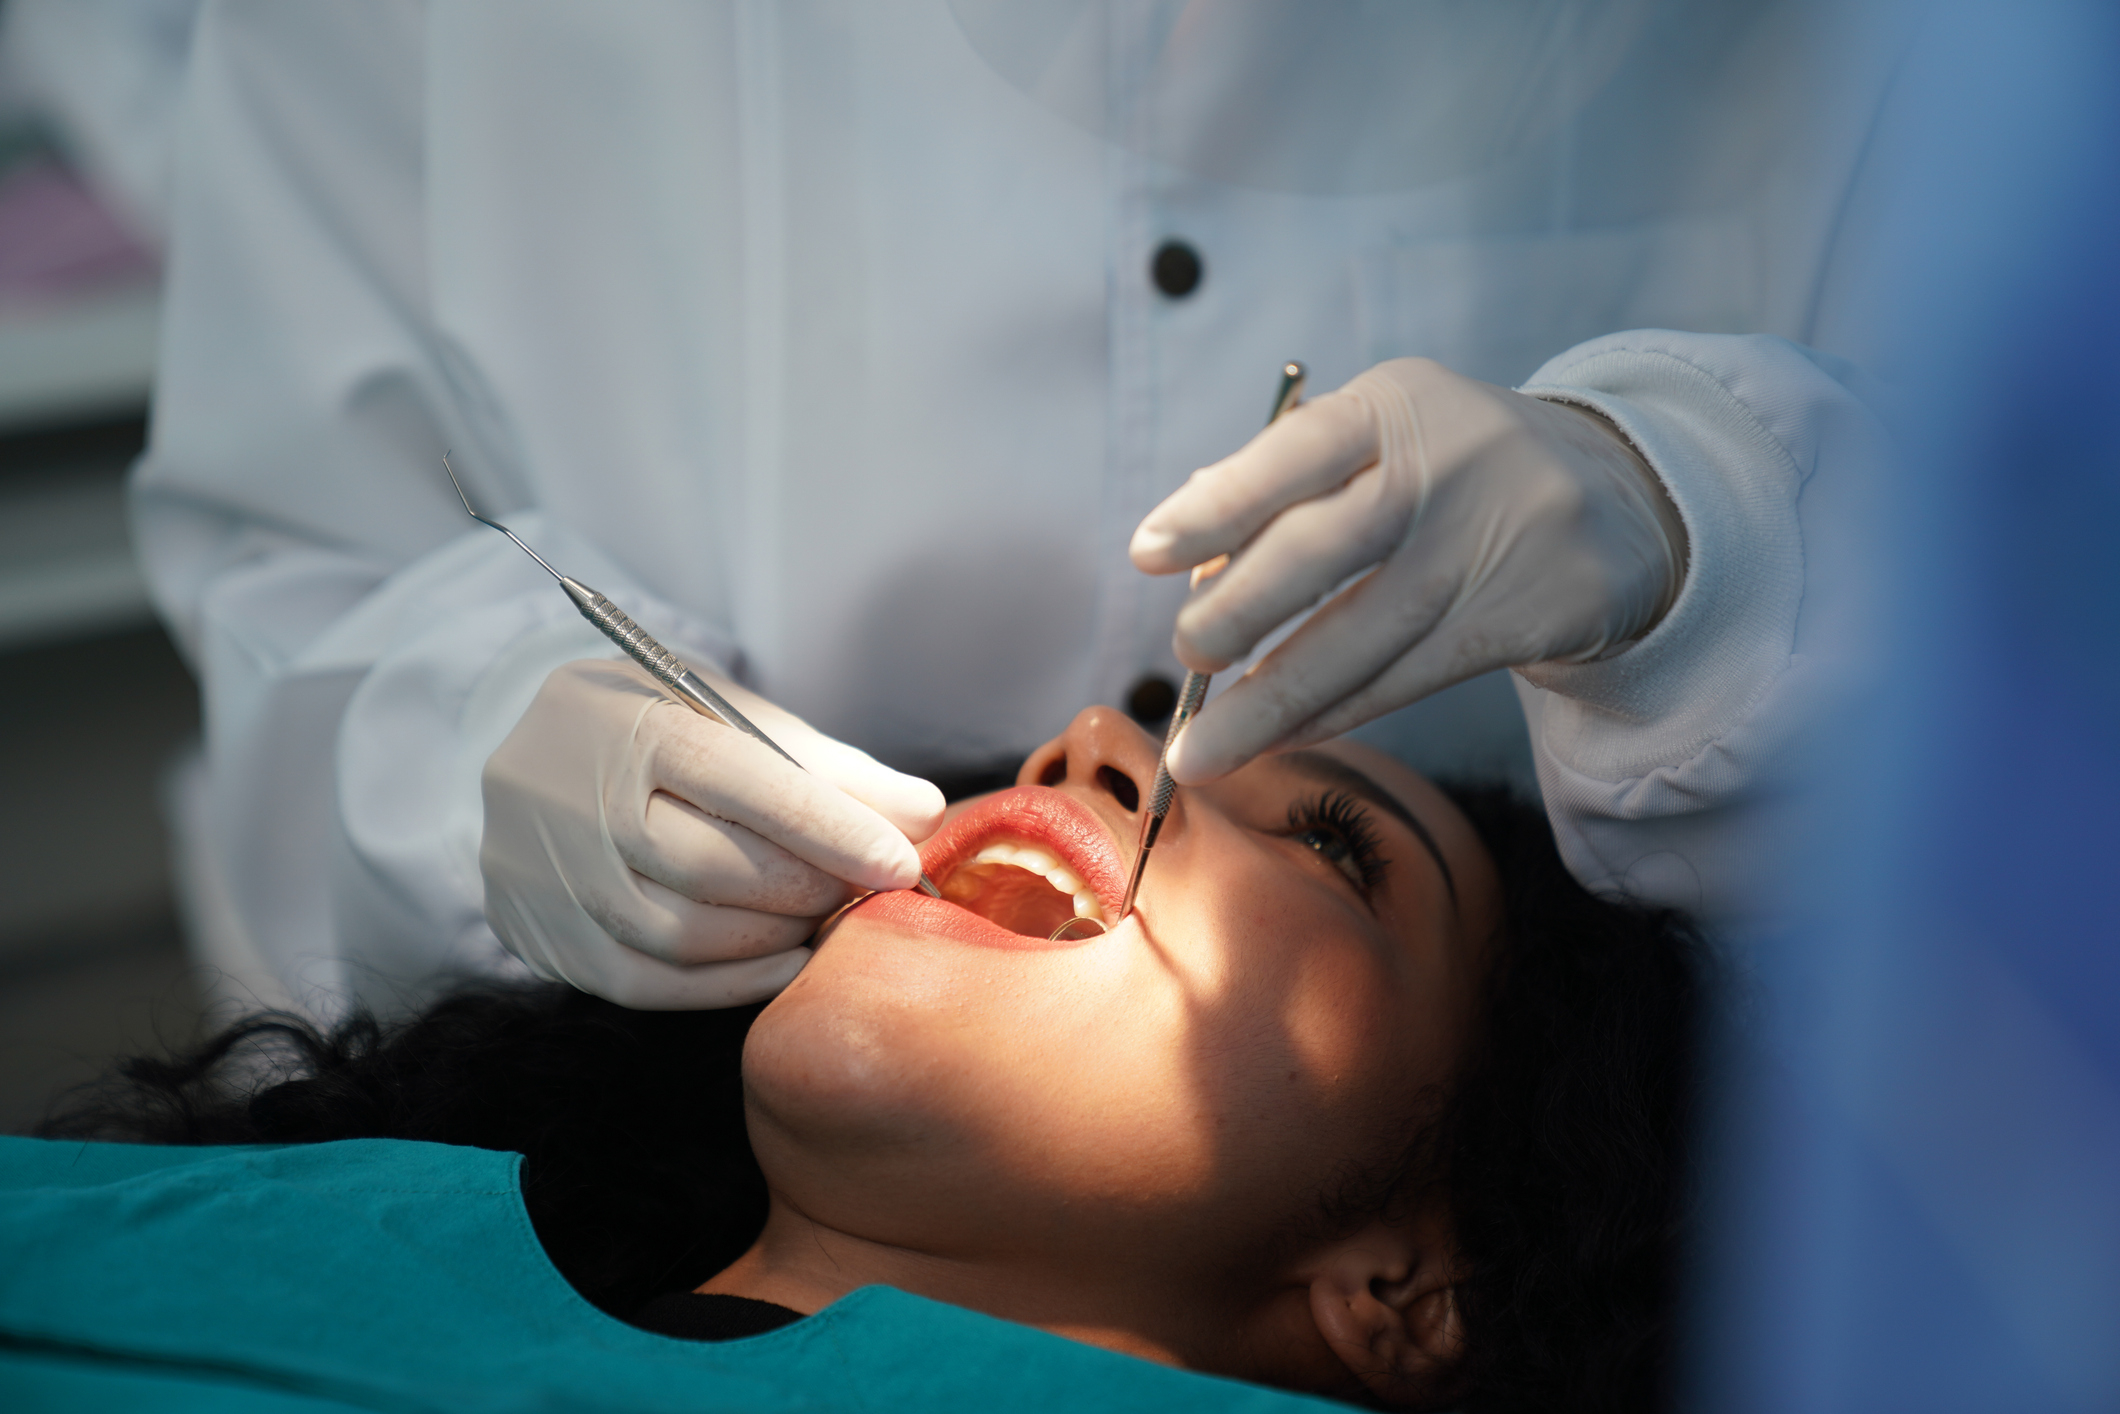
pixel 1331 770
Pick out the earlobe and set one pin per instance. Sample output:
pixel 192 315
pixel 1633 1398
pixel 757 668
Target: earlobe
pixel 1392 1320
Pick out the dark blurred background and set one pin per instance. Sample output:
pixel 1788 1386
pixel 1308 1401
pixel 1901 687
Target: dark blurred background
pixel 96 707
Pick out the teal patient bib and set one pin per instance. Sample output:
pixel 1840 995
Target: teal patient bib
pixel 381 1274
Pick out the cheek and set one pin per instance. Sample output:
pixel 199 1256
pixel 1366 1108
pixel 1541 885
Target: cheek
pixel 1303 1048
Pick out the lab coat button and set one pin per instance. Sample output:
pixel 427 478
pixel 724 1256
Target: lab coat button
pixel 1176 269
pixel 1151 700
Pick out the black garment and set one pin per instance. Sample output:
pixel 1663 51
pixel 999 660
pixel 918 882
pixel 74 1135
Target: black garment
pixel 691 1316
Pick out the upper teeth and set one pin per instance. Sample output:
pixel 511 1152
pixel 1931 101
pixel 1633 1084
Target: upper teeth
pixel 1038 861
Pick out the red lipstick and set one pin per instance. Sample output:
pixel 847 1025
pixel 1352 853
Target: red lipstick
pixel 1033 815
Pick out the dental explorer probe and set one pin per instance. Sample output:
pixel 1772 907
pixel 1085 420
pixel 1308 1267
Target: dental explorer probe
pixel 1195 690
pixel 669 670
pixel 1189 697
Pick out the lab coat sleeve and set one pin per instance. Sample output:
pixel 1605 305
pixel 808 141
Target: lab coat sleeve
pixel 1663 766
pixel 362 645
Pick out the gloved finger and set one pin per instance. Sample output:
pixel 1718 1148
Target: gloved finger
pixel 714 861
pixel 1431 667
pixel 1308 451
pixel 1289 566
pixel 1454 652
pixel 645 983
pixel 643 916
pixel 728 774
pixel 911 804
pixel 1386 617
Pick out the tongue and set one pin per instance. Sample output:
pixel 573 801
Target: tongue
pixel 1011 898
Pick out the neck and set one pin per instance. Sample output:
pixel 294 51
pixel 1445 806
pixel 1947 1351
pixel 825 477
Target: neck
pixel 806 1265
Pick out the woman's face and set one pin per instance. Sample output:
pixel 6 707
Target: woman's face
pixel 1162 1104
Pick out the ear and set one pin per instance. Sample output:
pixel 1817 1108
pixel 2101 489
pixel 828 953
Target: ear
pixel 1385 1301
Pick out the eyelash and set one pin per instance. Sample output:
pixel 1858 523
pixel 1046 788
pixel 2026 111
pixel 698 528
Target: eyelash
pixel 1335 816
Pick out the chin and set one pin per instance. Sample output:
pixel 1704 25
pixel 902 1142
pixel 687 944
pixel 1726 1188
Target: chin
pixel 838 1055
pixel 864 1113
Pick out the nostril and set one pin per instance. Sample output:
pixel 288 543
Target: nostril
pixel 1054 773
pixel 1122 787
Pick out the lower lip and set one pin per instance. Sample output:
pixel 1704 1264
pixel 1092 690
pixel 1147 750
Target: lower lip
pixel 915 912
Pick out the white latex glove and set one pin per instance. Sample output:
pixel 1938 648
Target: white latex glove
pixel 653 856
pixel 1496 530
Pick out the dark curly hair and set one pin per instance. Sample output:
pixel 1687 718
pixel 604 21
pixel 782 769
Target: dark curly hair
pixel 1564 1142
pixel 1567 1144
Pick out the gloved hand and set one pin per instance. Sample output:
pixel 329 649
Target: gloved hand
pixel 661 859
pixel 1497 530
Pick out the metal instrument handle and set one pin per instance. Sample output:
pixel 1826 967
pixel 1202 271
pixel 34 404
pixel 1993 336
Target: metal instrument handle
pixel 669 669
pixel 1194 692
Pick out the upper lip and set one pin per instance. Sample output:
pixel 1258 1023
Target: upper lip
pixel 1041 816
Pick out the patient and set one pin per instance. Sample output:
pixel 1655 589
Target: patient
pixel 1366 1098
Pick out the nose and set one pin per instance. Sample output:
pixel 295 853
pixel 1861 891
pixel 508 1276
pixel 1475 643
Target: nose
pixel 1101 749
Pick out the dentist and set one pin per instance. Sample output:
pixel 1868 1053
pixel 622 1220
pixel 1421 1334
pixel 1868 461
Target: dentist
pixel 867 355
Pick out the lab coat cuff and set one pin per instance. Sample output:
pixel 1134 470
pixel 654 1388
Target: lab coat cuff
pixel 1690 404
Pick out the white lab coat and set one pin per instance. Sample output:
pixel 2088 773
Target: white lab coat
pixel 832 354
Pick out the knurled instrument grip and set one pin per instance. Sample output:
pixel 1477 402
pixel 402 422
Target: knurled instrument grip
pixel 669 669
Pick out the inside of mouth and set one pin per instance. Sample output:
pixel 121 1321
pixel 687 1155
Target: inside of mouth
pixel 1011 897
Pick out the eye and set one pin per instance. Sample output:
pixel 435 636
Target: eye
pixel 1343 835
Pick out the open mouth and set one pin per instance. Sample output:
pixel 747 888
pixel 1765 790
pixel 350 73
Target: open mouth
pixel 1012 868
pixel 1021 887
